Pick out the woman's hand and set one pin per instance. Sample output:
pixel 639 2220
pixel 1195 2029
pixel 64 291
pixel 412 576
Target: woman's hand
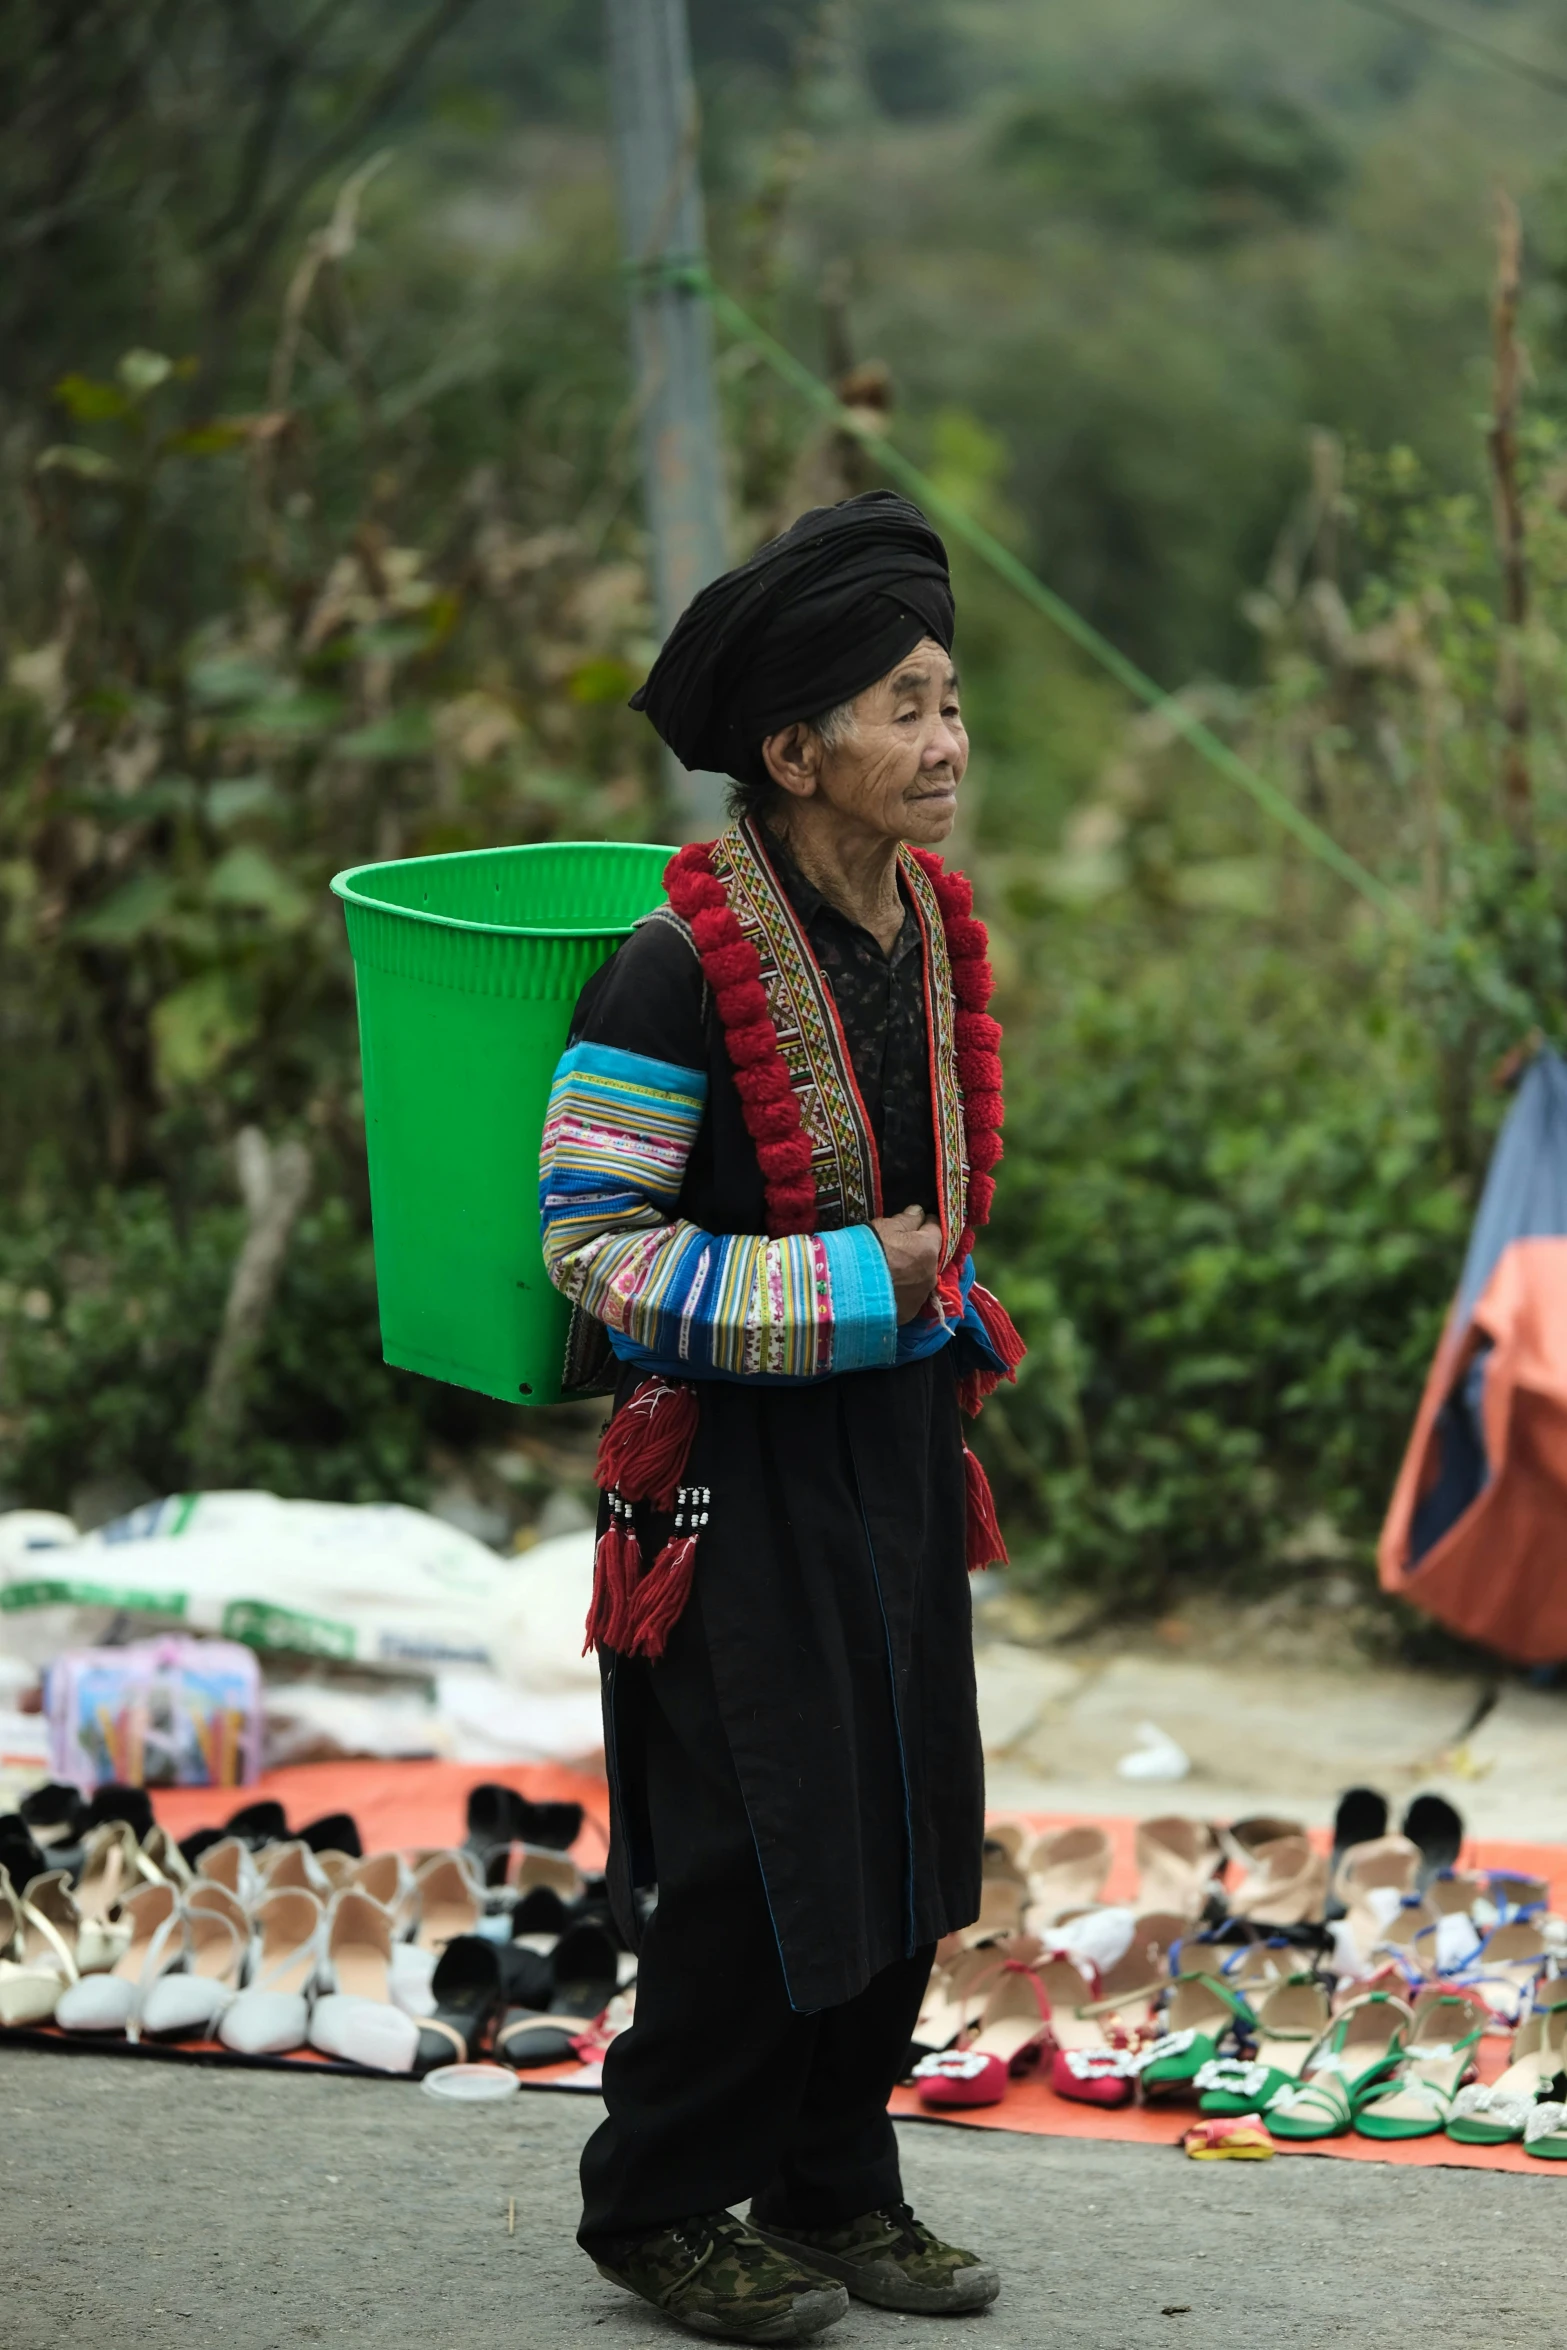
pixel 912 1247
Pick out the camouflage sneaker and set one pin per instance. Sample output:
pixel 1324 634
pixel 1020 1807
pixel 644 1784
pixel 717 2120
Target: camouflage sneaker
pixel 716 2276
pixel 890 2258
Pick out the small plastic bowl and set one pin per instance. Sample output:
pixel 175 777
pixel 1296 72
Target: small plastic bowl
pixel 471 2084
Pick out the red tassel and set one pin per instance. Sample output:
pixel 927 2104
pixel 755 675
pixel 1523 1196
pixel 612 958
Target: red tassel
pixel 1000 1328
pixel 974 1389
pixel 661 1597
pixel 985 1546
pixel 643 1451
pixel 616 1564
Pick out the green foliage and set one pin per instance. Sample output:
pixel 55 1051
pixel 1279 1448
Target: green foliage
pixel 1230 1241
pixel 1176 161
pixel 107 1314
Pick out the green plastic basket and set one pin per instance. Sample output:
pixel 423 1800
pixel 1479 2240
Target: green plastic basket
pixel 467 970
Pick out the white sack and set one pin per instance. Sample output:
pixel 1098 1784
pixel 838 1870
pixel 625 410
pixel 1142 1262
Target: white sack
pixel 383 1588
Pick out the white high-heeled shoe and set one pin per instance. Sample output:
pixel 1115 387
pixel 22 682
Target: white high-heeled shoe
pixel 112 1866
pixel 292 1864
pixel 354 2018
pixel 272 2013
pixel 388 1879
pixel 36 1961
pixel 187 2004
pixel 154 1943
pixel 230 1865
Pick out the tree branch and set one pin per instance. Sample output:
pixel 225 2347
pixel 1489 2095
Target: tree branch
pixel 239 279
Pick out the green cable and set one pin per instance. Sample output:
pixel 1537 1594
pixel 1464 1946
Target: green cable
pixel 695 278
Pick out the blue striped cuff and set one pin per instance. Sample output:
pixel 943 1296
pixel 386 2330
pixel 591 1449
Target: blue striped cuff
pixel 864 1311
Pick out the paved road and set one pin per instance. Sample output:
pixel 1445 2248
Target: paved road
pixel 148 2206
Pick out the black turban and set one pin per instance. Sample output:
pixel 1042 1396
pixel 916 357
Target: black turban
pixel 814 617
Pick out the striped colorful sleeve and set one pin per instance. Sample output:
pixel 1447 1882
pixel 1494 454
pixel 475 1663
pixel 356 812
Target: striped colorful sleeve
pixel 617 1135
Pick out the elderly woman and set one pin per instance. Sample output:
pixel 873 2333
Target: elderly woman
pixel 769 1142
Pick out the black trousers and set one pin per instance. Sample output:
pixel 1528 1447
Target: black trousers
pixel 721 2090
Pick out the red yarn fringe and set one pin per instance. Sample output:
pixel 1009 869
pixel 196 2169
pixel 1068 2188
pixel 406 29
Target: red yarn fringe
pixel 643 1451
pixel 985 1546
pixel 975 1388
pixel 1000 1328
pixel 661 1597
pixel 617 1562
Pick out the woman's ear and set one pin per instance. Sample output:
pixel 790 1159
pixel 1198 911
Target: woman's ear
pixel 793 759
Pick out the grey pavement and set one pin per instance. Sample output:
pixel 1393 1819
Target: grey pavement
pixel 151 2206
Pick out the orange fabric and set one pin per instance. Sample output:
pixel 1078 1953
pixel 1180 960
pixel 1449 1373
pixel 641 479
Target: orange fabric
pixel 1499 1575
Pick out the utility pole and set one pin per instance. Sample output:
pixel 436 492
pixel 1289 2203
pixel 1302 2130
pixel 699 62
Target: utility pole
pixel 653 100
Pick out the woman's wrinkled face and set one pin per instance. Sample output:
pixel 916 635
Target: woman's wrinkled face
pixel 895 772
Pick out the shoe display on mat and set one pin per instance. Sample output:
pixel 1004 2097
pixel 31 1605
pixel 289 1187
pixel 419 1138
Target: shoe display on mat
pixel 891 2258
pixel 718 2276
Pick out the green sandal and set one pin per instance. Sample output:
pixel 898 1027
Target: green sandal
pixel 1360 2051
pixel 1202 2012
pixel 1494 2113
pixel 1545 2132
pixel 1290 2022
pixel 1418 2102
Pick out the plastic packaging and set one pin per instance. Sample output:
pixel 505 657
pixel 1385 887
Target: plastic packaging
pixel 157 1713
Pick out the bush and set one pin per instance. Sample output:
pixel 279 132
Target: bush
pixel 107 1320
pixel 1231 1249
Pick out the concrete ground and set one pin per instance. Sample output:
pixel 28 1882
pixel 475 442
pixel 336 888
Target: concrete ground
pixel 150 2206
pixel 1277 1711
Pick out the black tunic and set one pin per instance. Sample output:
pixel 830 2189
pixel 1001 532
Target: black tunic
pixel 835 1606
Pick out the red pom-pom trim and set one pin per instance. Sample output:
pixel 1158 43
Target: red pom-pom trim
pixel 768 1102
pixel 767 1098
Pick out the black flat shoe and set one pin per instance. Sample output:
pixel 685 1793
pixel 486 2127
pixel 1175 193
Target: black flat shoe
pixel 584 1973
pixel 192 1847
pixel 494 1826
pixel 336 1832
pixel 113 1802
pixel 554 1827
pixel 1438 1830
pixel 20 1857
pixel 540 1911
pixel 468 1990
pixel 257 1824
pixel 55 1816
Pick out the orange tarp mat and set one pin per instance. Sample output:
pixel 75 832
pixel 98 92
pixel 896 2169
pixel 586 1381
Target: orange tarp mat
pixel 409 1805
pixel 415 1804
pixel 1034 2110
